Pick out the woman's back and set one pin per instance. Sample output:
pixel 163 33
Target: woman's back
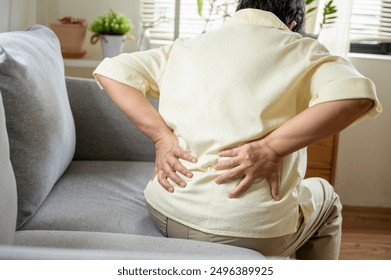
pixel 221 90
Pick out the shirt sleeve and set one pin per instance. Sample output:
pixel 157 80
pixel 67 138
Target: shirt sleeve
pixel 140 70
pixel 333 78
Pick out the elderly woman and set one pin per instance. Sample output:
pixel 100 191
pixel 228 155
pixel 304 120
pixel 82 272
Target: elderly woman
pixel 237 107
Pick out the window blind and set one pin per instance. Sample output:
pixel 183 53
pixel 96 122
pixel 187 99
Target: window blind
pixel 371 21
pixel 158 18
pixel 167 20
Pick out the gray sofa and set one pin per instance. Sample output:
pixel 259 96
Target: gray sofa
pixel 72 168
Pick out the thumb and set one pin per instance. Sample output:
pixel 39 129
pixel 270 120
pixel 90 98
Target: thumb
pixel 154 172
pixel 274 182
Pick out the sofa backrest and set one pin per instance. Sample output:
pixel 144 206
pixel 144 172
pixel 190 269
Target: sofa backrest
pixel 102 130
pixel 40 125
pixel 8 200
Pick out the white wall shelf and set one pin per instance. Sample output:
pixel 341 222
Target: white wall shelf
pixel 84 62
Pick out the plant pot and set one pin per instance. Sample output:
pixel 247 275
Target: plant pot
pixel 112 45
pixel 71 37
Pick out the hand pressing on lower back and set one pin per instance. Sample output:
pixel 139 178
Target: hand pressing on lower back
pixel 249 162
pixel 168 153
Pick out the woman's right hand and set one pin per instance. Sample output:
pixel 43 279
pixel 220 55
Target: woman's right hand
pixel 168 153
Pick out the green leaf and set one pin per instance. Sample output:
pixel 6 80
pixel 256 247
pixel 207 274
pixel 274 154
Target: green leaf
pixel 329 3
pixel 200 3
pixel 111 23
pixel 328 11
pixel 311 10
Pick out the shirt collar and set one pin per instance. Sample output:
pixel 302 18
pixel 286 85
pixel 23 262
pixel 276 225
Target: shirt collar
pixel 257 17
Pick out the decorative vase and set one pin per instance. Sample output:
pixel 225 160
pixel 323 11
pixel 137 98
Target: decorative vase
pixel 112 45
pixel 71 33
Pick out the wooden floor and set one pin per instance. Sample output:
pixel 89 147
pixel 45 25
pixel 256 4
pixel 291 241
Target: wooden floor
pixel 366 233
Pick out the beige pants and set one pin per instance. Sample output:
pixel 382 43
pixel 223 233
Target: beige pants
pixel 319 238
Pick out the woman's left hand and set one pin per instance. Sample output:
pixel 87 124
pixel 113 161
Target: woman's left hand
pixel 251 161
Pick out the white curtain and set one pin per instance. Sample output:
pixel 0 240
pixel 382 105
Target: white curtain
pixel 17 14
pixel 336 36
pixel 4 15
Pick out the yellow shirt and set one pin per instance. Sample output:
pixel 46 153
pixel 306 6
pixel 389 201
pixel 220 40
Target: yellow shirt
pixel 228 87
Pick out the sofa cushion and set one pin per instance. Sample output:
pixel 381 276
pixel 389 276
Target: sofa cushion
pixel 138 247
pixel 102 131
pixel 7 186
pixel 99 196
pixel 39 120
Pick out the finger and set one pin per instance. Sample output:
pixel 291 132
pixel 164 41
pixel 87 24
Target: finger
pixel 185 155
pixel 243 185
pixel 274 182
pixel 228 153
pixel 170 173
pixel 232 174
pixel 178 166
pixel 176 179
pixel 162 179
pixel 227 164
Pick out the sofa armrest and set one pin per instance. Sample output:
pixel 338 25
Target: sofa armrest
pixel 45 253
pixel 102 131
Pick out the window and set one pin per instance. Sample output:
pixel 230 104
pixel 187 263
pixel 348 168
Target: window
pixel 166 20
pixel 370 29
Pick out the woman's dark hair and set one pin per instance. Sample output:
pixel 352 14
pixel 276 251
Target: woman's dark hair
pixel 285 10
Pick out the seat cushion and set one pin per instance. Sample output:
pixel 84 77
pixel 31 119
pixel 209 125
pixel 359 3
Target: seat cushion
pixel 39 120
pixel 8 198
pixel 137 247
pixel 101 196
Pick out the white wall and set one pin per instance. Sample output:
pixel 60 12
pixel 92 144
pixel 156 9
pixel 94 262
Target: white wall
pixel 363 175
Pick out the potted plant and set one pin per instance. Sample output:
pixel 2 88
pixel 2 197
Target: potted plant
pixel 71 33
pixel 112 30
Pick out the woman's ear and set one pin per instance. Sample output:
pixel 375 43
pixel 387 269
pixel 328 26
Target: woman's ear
pixel 292 24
